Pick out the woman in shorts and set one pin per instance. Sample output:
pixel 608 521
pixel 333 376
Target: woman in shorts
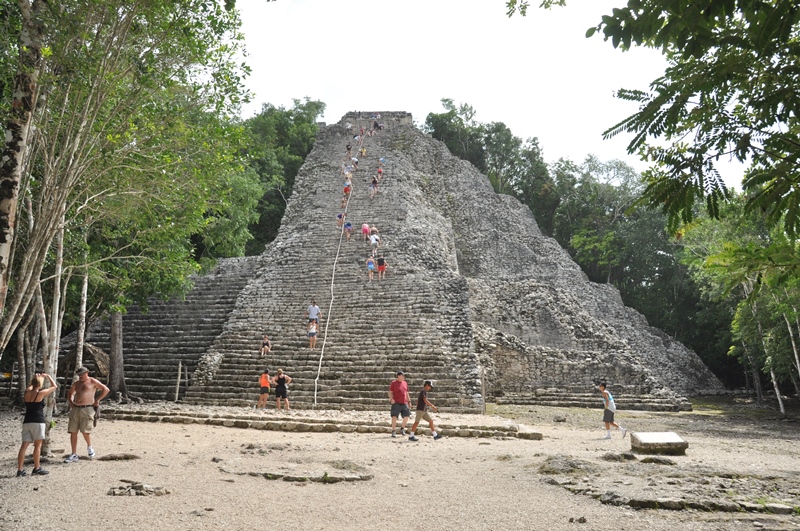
pixel 312 335
pixel 34 423
pixel 365 231
pixel 370 267
pixel 373 187
pixel 348 229
pixel 282 382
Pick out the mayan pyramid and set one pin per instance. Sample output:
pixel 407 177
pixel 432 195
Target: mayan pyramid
pixel 475 298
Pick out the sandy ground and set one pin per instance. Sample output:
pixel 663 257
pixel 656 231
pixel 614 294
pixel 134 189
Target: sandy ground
pixel 736 452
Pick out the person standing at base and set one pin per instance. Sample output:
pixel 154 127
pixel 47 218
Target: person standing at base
pixel 398 397
pixel 264 383
pixel 422 412
pixel 282 382
pixel 33 425
pixel 83 399
pixel 608 412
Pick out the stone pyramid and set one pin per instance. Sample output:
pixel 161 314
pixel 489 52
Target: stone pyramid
pixel 475 298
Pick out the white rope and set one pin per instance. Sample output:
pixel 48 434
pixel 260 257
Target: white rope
pixel 333 279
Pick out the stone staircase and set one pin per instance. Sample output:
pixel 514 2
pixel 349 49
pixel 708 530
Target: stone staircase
pixel 416 320
pixel 177 330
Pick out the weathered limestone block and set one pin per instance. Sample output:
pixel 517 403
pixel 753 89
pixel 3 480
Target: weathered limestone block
pixel 666 442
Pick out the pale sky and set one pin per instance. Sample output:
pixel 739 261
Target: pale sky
pixel 539 75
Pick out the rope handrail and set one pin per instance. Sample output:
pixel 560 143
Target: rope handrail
pixel 333 282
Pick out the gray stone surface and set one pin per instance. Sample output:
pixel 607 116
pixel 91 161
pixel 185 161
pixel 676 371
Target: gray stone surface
pixel 666 442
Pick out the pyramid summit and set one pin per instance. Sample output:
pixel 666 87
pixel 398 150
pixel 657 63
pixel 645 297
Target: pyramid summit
pixel 475 297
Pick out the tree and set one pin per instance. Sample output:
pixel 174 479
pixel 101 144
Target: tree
pixel 730 92
pixel 279 141
pixel 124 127
pixel 459 131
pixel 534 186
pixel 18 115
pixel 503 158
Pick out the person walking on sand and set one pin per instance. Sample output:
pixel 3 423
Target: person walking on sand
pixel 83 399
pixel 608 412
pixel 312 335
pixel 398 397
pixel 33 424
pixel 422 413
pixel 264 382
pixel 282 382
pixel 266 345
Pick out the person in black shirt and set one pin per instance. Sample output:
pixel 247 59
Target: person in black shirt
pixel 382 263
pixel 422 412
pixel 33 424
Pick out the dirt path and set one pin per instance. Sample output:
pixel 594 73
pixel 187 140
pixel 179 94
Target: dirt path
pixel 736 452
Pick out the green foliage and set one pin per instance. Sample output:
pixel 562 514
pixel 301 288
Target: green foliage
pixel 730 92
pixel 521 6
pixel 513 167
pixel 279 141
pixel 457 128
pixel 139 147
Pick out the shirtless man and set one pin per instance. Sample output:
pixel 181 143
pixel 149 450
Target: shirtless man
pixel 82 399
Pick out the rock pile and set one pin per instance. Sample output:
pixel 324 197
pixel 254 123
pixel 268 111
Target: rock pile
pixel 137 489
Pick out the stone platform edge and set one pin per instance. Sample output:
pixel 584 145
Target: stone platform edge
pixel 313 425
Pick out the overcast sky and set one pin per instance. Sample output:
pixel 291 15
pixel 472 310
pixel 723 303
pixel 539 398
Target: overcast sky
pixel 539 75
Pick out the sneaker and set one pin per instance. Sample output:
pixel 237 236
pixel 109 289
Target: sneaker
pixel 72 459
pixel 402 431
pixel 413 438
pixel 21 473
pixel 39 472
pixel 624 432
pixel 90 451
pixel 437 436
pixel 394 435
pixel 606 436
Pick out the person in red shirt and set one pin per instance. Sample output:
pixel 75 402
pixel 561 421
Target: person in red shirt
pixel 264 383
pixel 398 397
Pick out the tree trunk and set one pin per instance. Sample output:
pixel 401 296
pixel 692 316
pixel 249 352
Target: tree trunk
pixel 116 371
pixel 82 323
pixel 22 373
pixel 17 127
pixel 753 368
pixel 796 383
pixel 794 345
pixel 777 391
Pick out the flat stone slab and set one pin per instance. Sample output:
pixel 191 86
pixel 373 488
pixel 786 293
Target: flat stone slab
pixel 658 442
